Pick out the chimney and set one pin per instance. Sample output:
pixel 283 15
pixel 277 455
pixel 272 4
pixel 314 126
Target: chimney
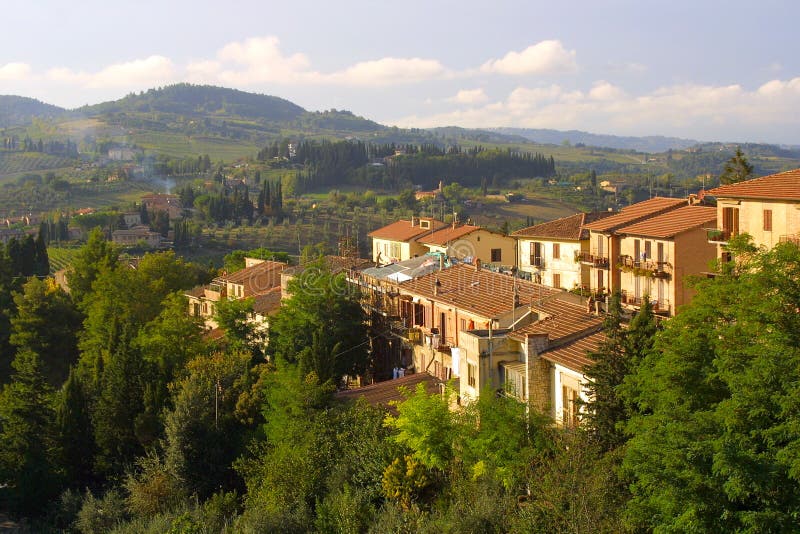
pixel 477 264
pixel 440 186
pixel 412 221
pixel 436 285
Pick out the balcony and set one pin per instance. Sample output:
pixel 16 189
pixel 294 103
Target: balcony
pixel 537 261
pixel 661 307
pixel 791 239
pixel 719 236
pixel 598 261
pixel 655 269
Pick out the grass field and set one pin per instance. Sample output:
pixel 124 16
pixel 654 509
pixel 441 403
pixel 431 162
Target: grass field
pixel 181 145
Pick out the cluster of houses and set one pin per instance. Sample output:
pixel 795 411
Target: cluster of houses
pixel 491 312
pixel 137 234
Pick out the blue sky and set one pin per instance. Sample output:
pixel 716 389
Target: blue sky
pixel 713 70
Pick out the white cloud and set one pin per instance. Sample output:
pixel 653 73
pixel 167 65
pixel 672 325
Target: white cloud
pixel 469 96
pixel 15 71
pixel 603 90
pixel 260 60
pixel 544 57
pixel 687 110
pixel 388 71
pixel 139 73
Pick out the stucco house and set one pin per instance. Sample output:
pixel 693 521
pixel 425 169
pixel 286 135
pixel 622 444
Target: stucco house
pixel 398 241
pixel 657 254
pixel 549 250
pixel 766 208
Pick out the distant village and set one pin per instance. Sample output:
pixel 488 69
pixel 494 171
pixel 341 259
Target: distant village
pixel 520 313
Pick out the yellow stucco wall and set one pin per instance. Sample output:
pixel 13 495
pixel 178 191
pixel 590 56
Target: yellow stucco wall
pixel 572 273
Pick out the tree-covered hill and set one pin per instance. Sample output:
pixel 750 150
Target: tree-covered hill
pixel 20 110
pixel 199 101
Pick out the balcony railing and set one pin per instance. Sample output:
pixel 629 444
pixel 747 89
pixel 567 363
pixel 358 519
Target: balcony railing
pixel 658 269
pixel 791 239
pixel 537 261
pixel 718 235
pixel 659 306
pixel 594 259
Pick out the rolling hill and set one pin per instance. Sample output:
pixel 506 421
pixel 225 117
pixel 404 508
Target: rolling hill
pixel 650 144
pixel 21 110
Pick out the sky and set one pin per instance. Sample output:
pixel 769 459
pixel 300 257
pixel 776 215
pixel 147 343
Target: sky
pixel 709 70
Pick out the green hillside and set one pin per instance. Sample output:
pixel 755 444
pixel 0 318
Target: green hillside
pixel 20 110
pixel 201 101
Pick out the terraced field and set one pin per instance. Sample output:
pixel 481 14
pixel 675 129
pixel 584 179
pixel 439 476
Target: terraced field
pixel 61 257
pixel 12 163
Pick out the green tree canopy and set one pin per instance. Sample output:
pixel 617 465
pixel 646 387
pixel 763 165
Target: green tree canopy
pixel 47 323
pixel 737 169
pixel 321 326
pixel 715 446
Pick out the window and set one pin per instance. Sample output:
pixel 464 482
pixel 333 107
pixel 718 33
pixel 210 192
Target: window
pixel 730 221
pixel 637 247
pixel 536 254
pixel 497 255
pixel 648 250
pixel 395 250
pixel 472 370
pixel 419 314
pixel 569 414
pixel 556 251
pixel 767 220
pixel 463 323
pixel 425 224
pixel 557 280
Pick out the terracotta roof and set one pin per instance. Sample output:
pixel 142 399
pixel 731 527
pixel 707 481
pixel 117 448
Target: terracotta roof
pixel 268 303
pixel 403 231
pixel 447 234
pixel 780 186
pixel 257 279
pixel 636 212
pixel 674 222
pixel 481 292
pixel 335 264
pixel 383 393
pixel 575 354
pixel 563 319
pixel 569 228
pixel 196 292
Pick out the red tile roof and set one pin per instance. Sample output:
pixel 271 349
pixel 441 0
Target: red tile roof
pixel 257 279
pixel 780 186
pixel 447 234
pixel 481 292
pixel 336 265
pixel 674 222
pixel 636 212
pixel 575 354
pixel 268 303
pixel 383 393
pixel 568 228
pixel 402 230
pixel 563 319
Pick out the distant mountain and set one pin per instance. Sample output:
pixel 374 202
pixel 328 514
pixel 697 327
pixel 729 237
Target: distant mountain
pixel 651 143
pixel 453 134
pixel 20 110
pixel 201 101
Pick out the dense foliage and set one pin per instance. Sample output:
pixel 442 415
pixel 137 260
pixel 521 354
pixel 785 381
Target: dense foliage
pixel 119 415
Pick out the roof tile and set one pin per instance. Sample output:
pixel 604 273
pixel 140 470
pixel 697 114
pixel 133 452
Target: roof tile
pixel 780 186
pixel 635 213
pixel 673 222
pixel 569 228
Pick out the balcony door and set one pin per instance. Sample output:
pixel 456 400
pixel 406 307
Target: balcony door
pixel 730 221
